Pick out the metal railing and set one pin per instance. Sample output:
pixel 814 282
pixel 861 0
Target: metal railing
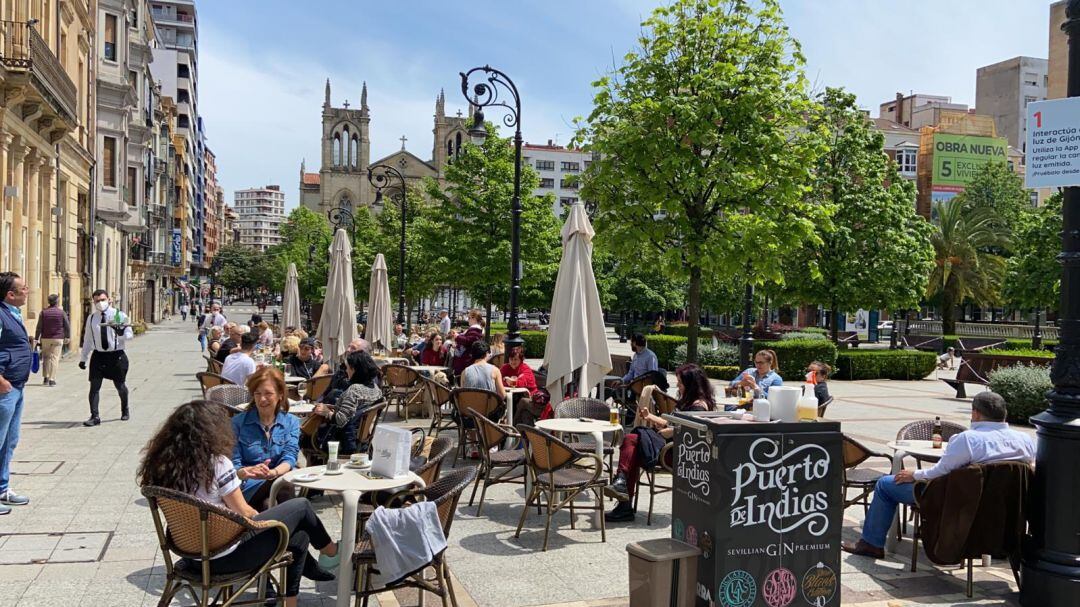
pixel 22 48
pixel 978 329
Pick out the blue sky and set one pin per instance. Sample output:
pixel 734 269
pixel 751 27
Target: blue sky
pixel 263 63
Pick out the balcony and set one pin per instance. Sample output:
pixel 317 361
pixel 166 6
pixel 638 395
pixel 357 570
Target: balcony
pixel 51 95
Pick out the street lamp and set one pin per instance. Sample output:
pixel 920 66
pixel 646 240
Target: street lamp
pixel 379 176
pixel 1050 570
pixel 341 218
pixel 487 94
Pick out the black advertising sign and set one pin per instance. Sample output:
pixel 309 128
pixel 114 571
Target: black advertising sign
pixel 764 504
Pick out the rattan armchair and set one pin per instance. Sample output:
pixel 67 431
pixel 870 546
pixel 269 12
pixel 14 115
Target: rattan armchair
pixel 196 531
pixel 860 480
pixel 551 467
pixel 484 402
pixel 208 380
pixel 445 493
pixel 316 387
pixel 650 476
pixel 590 408
pixel 233 398
pixel 402 385
pixel 441 408
pixel 509 462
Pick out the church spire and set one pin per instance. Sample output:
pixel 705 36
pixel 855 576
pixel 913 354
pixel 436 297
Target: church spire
pixel 440 105
pixel 363 97
pixel 326 102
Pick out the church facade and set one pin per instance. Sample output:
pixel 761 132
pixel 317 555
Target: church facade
pixel 342 180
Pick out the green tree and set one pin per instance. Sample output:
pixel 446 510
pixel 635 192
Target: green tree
pixel 875 250
pixel 305 241
pixel 471 225
pixel 998 188
pixel 236 267
pixel 964 266
pixel 1033 274
pixel 424 266
pixel 703 150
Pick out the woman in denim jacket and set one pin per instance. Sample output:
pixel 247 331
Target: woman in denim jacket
pixel 267 438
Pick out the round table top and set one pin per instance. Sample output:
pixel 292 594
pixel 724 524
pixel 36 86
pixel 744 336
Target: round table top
pixel 430 368
pixel 574 425
pixel 350 479
pixel 294 379
pixel 515 389
pixel 920 448
pixel 301 409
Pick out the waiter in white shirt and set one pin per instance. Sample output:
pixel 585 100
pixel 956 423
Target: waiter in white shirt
pixel 107 330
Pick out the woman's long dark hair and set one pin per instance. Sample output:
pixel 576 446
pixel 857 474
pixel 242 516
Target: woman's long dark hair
pixel 364 369
pixel 696 387
pixel 182 455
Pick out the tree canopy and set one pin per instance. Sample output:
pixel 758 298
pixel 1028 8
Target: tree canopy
pixel 1033 273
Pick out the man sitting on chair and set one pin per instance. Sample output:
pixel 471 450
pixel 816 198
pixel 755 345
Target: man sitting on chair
pixel 989 440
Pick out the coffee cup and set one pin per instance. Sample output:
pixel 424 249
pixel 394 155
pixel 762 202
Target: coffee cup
pixel 359 459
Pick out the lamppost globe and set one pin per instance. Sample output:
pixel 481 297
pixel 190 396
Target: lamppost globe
pixel 477 132
pixel 378 196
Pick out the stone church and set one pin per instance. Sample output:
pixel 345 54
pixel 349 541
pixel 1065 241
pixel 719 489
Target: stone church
pixel 342 179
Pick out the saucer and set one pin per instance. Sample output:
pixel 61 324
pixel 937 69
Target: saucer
pixel 354 466
pixel 334 472
pixel 307 477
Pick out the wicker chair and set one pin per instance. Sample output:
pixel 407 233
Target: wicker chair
pixel 590 408
pixel 922 429
pixel 316 387
pixel 195 531
pixel 497 359
pixel 234 398
pixel 445 493
pixel 440 448
pixel 509 461
pixel 862 480
pixel 665 464
pixel 402 384
pixel 484 402
pixel 824 407
pixel 365 431
pixel 551 466
pixel 208 380
pixel 663 403
pixel 209 363
pixel 441 419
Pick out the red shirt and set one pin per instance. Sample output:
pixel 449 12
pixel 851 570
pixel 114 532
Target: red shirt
pixel 431 357
pixel 524 375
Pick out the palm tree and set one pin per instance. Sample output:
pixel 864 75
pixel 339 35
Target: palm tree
pixel 965 266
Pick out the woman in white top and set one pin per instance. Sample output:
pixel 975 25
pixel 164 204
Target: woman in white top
pixel 192 453
pixel 266 336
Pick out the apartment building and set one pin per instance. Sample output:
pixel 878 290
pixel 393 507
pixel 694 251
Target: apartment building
pixel 259 215
pixel 1004 90
pixel 559 169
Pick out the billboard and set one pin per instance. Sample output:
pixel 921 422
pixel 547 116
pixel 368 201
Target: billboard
pixel 957 158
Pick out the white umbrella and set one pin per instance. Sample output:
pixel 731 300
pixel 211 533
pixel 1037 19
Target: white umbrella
pixel 337 327
pixel 380 322
pixel 290 301
pixel 576 339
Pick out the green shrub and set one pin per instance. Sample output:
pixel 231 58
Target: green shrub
pixel 884 364
pixel 818 330
pixel 802 335
pixel 1033 353
pixel 664 347
pixel 721 372
pixel 795 355
pixel 535 343
pixel 721 355
pixel 1025 344
pixel 1024 389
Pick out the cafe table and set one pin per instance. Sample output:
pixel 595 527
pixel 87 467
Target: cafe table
pixel 294 379
pixel 922 450
pixel 351 484
pixel 429 370
pixel 596 428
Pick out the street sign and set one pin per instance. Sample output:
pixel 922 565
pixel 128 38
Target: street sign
pixel 1053 143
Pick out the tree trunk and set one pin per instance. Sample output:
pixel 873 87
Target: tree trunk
pixel 948 309
pixel 487 325
pixel 834 321
pixel 694 306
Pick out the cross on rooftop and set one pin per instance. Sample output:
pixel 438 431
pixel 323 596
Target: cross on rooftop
pixel 403 140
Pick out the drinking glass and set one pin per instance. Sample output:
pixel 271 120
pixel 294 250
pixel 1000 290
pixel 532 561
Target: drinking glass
pixel 288 370
pixel 332 463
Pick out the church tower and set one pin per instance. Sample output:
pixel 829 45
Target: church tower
pixel 450 135
pixel 346 153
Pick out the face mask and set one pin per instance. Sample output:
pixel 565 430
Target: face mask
pixel 103 305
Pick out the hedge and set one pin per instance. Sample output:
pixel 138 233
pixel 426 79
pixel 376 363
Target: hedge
pixel 535 343
pixel 884 364
pixel 1013 352
pixel 796 354
pixel 664 347
pixel 721 372
pixel 1023 388
pixel 1012 343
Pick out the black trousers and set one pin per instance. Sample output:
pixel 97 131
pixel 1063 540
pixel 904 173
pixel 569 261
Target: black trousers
pixel 305 529
pixel 112 366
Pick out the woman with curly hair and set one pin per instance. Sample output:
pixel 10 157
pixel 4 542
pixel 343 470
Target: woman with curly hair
pixel 191 453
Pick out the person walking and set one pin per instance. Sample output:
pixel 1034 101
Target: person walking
pixel 106 332
pixel 14 371
pixel 444 322
pixel 184 311
pixel 53 332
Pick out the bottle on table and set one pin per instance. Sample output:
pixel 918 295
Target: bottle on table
pixel 762 410
pixel 806 409
pixel 936 436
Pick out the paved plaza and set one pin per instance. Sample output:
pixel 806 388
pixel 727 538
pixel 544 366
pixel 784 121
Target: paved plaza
pixel 87 537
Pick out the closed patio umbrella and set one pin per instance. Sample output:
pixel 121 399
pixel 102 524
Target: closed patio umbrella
pixel 337 327
pixel 290 301
pixel 380 322
pixel 577 341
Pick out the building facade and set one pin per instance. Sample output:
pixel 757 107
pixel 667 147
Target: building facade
pixel 259 215
pixel 1004 90
pixel 559 169
pixel 901 145
pixel 46 150
pixel 918 109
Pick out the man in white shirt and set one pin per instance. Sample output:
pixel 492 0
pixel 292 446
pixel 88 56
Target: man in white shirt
pixel 400 340
pixel 106 332
pixel 240 365
pixel 444 322
pixel 214 319
pixel 989 440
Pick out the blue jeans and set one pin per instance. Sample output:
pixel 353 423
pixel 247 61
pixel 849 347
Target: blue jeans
pixel 888 494
pixel 11 405
pixel 202 342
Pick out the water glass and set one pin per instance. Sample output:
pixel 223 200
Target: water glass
pixel 288 370
pixel 332 462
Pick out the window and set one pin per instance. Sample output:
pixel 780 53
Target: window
pixel 568 184
pixel 108 162
pixel 1029 99
pixel 1031 79
pixel 183 71
pixel 567 201
pixel 1033 197
pixel 547 182
pixel 906 161
pixel 337 150
pixel 129 190
pixel 545 165
pixel 572 167
pixel 353 151
pixel 110 37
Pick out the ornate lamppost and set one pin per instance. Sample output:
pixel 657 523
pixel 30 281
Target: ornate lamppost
pixel 341 218
pixel 490 93
pixel 380 177
pixel 1050 569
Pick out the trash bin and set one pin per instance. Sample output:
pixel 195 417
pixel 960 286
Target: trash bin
pixel 662 572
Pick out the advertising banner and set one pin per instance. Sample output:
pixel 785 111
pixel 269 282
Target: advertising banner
pixel 1053 143
pixel 957 158
pixel 763 503
pixel 176 246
